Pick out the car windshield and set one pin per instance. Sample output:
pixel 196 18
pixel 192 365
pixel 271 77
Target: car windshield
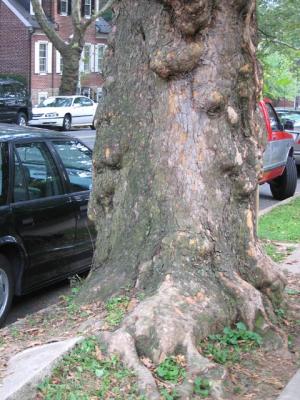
pixel 56 102
pixel 289 115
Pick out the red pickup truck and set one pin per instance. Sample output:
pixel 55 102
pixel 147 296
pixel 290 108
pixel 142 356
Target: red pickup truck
pixel 279 168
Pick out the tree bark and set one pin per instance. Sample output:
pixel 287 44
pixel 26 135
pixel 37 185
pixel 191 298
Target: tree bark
pixel 176 164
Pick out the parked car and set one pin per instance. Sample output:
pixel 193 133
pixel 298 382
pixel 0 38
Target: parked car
pixel 45 235
pixel 65 112
pixel 279 168
pixel 294 117
pixel 15 104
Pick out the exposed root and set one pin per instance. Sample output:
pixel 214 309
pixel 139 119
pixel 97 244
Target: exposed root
pixel 123 343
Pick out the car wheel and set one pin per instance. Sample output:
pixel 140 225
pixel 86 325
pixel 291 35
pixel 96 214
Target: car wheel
pixel 22 119
pixel 285 185
pixel 6 288
pixel 67 124
pixel 93 126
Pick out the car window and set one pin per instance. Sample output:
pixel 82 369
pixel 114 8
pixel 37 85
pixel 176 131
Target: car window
pixel 77 101
pixel 3 173
pixel 36 175
pixel 8 91
pixel 56 102
pixel 77 160
pixel 275 125
pixel 86 102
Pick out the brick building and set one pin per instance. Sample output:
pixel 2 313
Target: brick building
pixel 26 51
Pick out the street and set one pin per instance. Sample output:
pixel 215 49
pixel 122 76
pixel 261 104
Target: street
pixel 48 296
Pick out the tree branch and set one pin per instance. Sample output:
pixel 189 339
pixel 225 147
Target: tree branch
pixel 46 26
pixel 106 7
pixel 277 41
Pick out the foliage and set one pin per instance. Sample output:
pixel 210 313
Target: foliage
pixel 202 387
pixel 170 370
pixel 228 346
pixel 282 223
pixel 16 77
pixel 278 22
pixel 277 253
pixel 72 307
pixel 116 308
pixel 169 395
pixel 86 373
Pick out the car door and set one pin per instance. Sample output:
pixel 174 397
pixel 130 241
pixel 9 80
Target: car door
pixel 77 112
pixel 88 110
pixel 43 214
pixel 7 102
pixel 76 161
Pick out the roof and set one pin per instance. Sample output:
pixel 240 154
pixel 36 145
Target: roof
pixel 11 132
pixel 21 9
pixel 102 26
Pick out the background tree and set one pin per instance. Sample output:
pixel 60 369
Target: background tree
pixel 176 164
pixel 279 47
pixel 71 50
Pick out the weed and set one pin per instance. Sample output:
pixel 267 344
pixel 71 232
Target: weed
pixel 170 370
pixel 116 308
pixel 228 346
pixel 280 313
pixel 292 292
pixel 72 307
pixel 169 395
pixel 87 373
pixel 202 387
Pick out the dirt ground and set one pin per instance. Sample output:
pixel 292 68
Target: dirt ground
pixel 259 375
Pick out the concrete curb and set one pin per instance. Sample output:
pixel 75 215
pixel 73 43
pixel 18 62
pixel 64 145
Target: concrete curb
pixel 291 391
pixel 281 203
pixel 28 369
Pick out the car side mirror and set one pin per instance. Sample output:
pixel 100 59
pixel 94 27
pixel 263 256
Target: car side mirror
pixel 289 125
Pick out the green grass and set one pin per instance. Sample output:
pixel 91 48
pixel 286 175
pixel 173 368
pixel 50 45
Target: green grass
pixel 86 373
pixel 282 223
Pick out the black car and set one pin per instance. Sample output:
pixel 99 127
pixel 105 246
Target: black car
pixel 45 235
pixel 15 104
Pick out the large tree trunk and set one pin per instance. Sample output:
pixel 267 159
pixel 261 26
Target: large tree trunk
pixel 176 163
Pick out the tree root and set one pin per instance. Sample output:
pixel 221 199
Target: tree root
pixel 173 321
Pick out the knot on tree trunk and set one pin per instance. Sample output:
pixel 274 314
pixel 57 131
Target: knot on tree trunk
pixel 177 59
pixel 190 16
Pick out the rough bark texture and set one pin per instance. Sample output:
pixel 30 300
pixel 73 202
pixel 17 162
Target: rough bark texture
pixel 176 162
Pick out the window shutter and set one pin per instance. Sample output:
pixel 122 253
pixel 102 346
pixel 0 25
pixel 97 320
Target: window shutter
pixel 82 7
pixel 49 58
pixel 58 6
pixel 96 58
pixel 93 7
pixel 92 56
pixel 36 57
pixel 69 7
pixel 58 64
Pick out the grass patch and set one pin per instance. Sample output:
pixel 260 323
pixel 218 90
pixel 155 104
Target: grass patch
pixel 282 223
pixel 86 373
pixel 227 347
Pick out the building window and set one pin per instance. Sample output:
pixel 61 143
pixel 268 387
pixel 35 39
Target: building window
pixel 63 7
pixel 43 58
pixel 87 58
pixel 100 55
pixel 87 8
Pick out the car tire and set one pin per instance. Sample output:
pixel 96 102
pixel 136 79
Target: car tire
pixel 285 185
pixel 6 288
pixel 67 123
pixel 22 119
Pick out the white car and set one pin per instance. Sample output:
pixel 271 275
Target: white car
pixel 65 112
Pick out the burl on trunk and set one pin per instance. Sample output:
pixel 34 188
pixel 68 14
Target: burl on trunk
pixel 176 164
